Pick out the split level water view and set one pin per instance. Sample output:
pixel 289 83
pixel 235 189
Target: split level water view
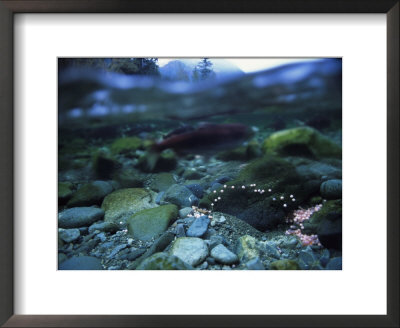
pixel 199 164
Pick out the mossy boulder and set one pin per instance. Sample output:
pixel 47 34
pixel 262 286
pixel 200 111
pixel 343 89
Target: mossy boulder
pixel 163 261
pixel 65 191
pixel 277 177
pixel 301 141
pixel 91 193
pixel 284 265
pixel 149 223
pixel 327 224
pixel 126 145
pixel 121 204
pixel 104 165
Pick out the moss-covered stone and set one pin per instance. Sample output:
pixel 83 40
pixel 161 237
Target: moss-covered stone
pixel 147 224
pixel 126 145
pixel 121 204
pixel 327 224
pixel 65 191
pixel 284 265
pixel 163 261
pixel 91 193
pixel 266 210
pixel 301 141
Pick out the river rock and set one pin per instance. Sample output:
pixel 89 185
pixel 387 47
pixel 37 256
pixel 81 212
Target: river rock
pixel 199 227
pixel 121 204
pixel 163 261
pixel 181 196
pixel 81 263
pixel 147 224
pixel 224 255
pixel 79 217
pixel 331 189
pixel 91 193
pixel 190 250
pixel 69 235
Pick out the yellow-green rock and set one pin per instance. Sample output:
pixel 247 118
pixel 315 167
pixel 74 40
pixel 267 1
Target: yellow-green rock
pixel 126 145
pixel 64 191
pixel 247 248
pixel 301 141
pixel 122 203
pixel 284 265
pixel 147 224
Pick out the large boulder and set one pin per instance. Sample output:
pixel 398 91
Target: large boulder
pixel 121 204
pixel 274 176
pixel 91 193
pixel 149 223
pixel 331 189
pixel 301 141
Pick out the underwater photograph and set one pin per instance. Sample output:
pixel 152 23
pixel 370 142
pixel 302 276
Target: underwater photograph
pixel 199 163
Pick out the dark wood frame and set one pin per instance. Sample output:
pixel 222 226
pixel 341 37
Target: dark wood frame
pixel 9 7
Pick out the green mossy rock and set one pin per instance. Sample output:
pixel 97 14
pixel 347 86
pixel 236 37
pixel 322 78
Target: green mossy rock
pixel 163 261
pixel 121 204
pixel 104 165
pixel 284 265
pixel 149 223
pixel 301 141
pixel 327 224
pixel 90 194
pixel 126 145
pixel 65 191
pixel 261 210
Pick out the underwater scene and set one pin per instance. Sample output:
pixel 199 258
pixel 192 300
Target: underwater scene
pixel 199 164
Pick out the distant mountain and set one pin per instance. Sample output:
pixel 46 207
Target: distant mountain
pixel 182 69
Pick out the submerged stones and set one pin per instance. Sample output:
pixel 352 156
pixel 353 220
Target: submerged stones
pixel 122 203
pixel 77 217
pixel 190 250
pixel 146 224
pixel 301 141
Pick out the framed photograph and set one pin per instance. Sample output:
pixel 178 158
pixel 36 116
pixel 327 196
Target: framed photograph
pixel 199 164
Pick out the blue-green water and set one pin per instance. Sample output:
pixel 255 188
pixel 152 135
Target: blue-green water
pixel 239 172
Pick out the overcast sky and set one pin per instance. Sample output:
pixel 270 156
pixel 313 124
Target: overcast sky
pixel 250 64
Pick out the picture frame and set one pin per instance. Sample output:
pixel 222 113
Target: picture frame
pixel 10 7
